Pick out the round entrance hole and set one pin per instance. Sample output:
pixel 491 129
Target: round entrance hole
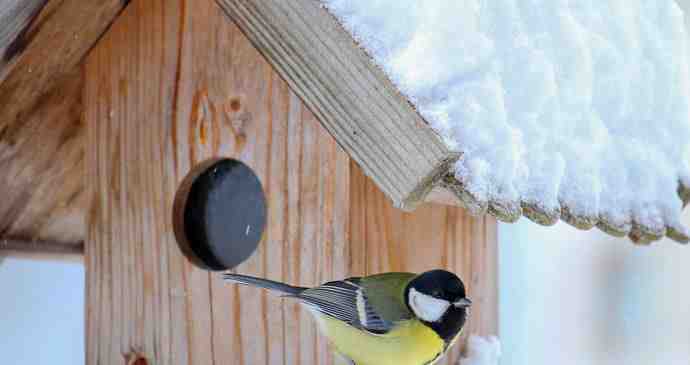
pixel 219 214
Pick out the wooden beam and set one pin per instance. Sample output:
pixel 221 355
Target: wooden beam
pixel 42 41
pixel 203 91
pixel 42 250
pixel 42 164
pixel 349 94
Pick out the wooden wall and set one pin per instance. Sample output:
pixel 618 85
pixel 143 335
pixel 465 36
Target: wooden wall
pixel 42 45
pixel 174 83
pixel 42 164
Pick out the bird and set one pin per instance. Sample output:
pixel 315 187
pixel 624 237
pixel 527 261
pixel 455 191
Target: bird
pixel 395 318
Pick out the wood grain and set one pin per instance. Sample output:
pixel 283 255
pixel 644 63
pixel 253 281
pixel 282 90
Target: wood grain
pixel 42 164
pixel 42 42
pixel 350 95
pixel 203 91
pixel 41 250
pixel 433 236
pixel 172 84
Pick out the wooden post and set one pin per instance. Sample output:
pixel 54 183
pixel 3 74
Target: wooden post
pixel 172 84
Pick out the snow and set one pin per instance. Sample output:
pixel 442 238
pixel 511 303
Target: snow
pixel 552 102
pixel 482 351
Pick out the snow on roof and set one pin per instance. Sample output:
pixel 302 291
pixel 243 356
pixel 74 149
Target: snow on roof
pixel 561 109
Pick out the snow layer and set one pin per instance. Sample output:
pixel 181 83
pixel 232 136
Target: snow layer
pixel 482 351
pixel 552 102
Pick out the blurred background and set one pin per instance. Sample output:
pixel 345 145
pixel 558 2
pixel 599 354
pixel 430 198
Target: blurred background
pixel 573 297
pixel 41 312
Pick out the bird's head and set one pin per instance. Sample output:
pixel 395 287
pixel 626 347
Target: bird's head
pixel 439 300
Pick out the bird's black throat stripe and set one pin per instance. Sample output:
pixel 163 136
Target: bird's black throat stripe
pixel 450 325
pixel 448 328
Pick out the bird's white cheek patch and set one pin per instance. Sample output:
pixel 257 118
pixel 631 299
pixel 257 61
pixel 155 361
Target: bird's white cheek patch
pixel 426 307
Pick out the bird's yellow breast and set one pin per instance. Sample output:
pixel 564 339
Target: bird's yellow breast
pixel 411 343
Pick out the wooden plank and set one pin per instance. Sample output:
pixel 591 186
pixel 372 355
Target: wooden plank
pixel 172 84
pixel 42 162
pixel 42 41
pixel 15 17
pixel 350 95
pixel 42 250
pixel 434 236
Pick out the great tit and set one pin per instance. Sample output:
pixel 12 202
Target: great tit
pixel 384 319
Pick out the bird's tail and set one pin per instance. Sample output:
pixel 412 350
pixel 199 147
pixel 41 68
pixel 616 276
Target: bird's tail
pixel 285 289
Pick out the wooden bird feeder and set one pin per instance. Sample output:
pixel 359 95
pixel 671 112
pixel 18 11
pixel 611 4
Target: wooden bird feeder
pixel 111 109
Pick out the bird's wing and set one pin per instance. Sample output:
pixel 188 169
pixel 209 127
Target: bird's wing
pixel 365 304
pixel 346 301
pixel 386 294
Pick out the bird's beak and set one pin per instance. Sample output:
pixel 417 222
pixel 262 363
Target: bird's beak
pixel 463 303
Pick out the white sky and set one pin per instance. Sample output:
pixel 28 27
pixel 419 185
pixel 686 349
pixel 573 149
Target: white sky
pixel 41 313
pixel 570 297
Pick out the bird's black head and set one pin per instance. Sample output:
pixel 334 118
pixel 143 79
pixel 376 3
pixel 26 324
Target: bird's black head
pixel 438 299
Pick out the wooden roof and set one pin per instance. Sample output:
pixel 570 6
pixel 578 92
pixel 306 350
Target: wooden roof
pixel 42 43
pixel 375 124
